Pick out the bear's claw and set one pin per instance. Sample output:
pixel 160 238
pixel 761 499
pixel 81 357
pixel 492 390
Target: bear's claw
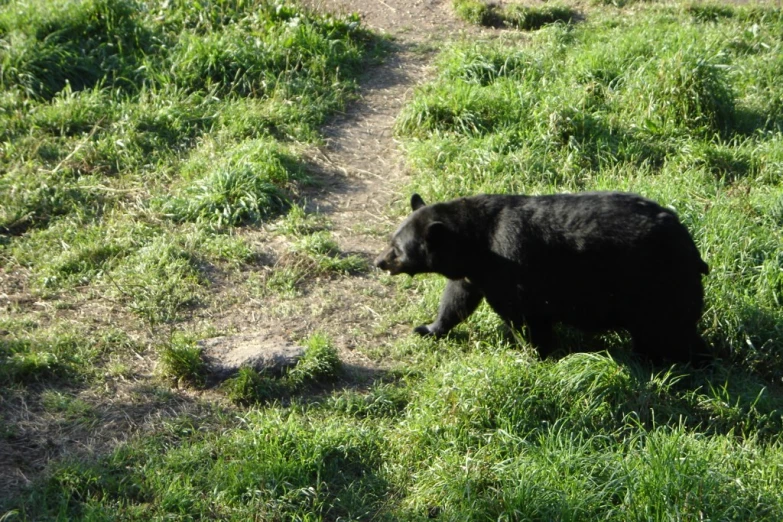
pixel 430 330
pixel 423 330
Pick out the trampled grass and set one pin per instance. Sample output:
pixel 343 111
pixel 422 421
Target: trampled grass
pixel 679 103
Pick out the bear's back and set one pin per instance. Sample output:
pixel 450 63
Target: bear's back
pixel 593 259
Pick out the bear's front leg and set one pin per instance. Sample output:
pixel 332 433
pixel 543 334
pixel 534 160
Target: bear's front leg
pixel 459 300
pixel 540 333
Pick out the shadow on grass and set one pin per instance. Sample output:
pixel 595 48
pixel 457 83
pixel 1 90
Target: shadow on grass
pixel 526 18
pixel 169 454
pixel 44 425
pixel 749 121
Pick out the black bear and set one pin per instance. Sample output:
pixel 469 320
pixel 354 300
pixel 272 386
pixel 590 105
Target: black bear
pixel 596 261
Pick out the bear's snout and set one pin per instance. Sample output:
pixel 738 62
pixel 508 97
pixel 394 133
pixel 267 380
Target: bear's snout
pixel 386 261
pixel 380 262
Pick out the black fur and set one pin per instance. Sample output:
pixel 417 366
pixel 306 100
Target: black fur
pixel 596 261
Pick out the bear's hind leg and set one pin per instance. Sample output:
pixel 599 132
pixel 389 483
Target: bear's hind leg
pixel 459 300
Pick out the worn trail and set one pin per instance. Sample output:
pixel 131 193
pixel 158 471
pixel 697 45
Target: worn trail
pixel 361 173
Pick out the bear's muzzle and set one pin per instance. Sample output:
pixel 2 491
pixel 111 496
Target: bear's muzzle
pixel 387 261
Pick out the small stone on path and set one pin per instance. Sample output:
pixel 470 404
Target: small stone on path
pixel 224 356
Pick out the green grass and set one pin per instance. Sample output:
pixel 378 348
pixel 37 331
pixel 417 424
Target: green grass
pixel 80 45
pixel 679 103
pixel 518 16
pixel 298 222
pixel 141 143
pixel 249 387
pixel 322 250
pixel 180 361
pixel 61 354
pixel 244 185
pixel 313 252
pixel 319 363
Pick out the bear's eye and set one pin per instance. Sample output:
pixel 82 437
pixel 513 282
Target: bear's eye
pixel 397 252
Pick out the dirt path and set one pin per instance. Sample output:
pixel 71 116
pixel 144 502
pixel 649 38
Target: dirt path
pixel 361 172
pixel 361 157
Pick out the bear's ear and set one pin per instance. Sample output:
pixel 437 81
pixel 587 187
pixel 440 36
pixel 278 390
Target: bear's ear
pixel 436 233
pixel 417 202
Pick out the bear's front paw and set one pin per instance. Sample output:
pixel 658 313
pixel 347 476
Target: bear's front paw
pixel 423 330
pixel 429 330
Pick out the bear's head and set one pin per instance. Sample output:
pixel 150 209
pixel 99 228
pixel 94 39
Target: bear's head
pixel 423 243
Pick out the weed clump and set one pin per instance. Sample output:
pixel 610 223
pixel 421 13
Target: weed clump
pixel 159 281
pixel 245 184
pixel 319 365
pixel 298 222
pixel 26 366
pixel 234 62
pixel 28 201
pixel 249 387
pixel 381 401
pixel 180 361
pixel 709 12
pixel 687 90
pixel 477 12
pixel 488 65
pixel 320 362
pixel 530 18
pixel 52 356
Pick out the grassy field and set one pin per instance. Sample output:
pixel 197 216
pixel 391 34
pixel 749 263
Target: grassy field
pixel 138 139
